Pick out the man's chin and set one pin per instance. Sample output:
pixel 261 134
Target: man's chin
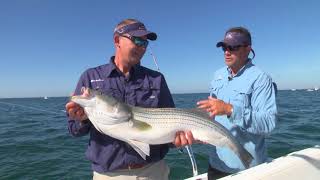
pixel 228 63
pixel 135 61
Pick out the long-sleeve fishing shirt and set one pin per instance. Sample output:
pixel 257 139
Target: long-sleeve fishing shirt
pixel 253 98
pixel 144 88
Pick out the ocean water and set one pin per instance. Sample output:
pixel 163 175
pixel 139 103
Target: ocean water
pixel 35 144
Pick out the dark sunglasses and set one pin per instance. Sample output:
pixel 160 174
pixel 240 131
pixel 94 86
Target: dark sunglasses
pixel 138 41
pixel 232 48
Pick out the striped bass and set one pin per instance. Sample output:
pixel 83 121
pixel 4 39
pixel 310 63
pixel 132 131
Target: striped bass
pixel 141 127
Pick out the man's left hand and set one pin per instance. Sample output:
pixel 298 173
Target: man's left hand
pixel 215 106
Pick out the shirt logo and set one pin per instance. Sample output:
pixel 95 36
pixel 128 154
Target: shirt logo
pixel 152 97
pixel 96 80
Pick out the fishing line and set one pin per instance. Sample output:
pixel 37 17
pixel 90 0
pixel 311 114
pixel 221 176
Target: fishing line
pixel 154 58
pixel 188 147
pixel 193 160
pixel 33 108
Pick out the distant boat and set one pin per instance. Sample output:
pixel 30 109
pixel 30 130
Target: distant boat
pixel 309 89
pixel 46 97
pixel 316 88
pixel 293 89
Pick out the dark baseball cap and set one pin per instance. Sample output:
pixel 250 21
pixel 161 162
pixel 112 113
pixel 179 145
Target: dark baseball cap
pixel 136 29
pixel 235 39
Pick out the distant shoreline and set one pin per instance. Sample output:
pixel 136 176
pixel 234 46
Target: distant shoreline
pixel 172 94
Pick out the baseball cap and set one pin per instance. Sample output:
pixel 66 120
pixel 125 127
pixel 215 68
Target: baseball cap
pixel 136 29
pixel 235 39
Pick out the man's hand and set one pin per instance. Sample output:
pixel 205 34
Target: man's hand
pixel 75 111
pixel 183 138
pixel 215 106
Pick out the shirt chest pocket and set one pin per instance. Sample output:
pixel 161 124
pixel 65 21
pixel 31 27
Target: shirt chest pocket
pixel 147 95
pixel 216 87
pixel 107 89
pixel 98 85
pixel 242 96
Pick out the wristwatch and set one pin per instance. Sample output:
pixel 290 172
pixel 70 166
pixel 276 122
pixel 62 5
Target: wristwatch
pixel 84 122
pixel 231 111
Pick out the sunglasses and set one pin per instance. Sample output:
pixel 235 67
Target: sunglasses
pixel 232 48
pixel 138 41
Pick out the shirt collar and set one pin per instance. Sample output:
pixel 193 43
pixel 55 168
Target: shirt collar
pixel 134 72
pixel 111 68
pixel 249 63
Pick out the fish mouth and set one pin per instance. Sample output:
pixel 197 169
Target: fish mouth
pixel 87 94
pixel 83 101
pixel 72 98
pixel 79 99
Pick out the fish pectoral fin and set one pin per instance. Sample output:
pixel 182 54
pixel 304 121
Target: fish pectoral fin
pixel 142 148
pixel 140 125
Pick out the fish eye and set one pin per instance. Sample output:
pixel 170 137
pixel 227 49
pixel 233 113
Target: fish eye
pixel 130 123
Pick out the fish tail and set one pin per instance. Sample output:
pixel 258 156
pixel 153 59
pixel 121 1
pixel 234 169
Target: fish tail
pixel 245 157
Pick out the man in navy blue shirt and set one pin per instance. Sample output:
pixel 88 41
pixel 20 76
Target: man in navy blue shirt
pixel 125 79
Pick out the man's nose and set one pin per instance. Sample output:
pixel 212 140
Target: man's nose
pixel 227 52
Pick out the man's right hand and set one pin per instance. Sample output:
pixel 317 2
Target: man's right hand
pixel 75 111
pixel 183 138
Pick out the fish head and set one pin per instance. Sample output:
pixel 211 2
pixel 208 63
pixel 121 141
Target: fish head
pixel 113 107
pixel 110 106
pixel 83 101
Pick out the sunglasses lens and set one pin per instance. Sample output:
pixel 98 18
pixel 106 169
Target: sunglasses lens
pixel 233 48
pixel 224 49
pixel 140 42
pixel 230 48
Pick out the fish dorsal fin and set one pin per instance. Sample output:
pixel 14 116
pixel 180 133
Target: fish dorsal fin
pixel 141 126
pixel 143 149
pixel 200 112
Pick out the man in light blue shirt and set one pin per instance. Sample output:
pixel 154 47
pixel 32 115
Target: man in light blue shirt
pixel 242 99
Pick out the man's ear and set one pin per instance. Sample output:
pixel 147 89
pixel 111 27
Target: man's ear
pixel 248 48
pixel 116 40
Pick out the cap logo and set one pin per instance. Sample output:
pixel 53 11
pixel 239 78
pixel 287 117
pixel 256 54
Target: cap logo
pixel 130 27
pixel 121 30
pixel 229 36
pixel 141 28
pixel 236 38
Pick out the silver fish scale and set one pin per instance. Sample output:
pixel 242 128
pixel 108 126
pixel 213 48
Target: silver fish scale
pixel 161 117
pixel 191 120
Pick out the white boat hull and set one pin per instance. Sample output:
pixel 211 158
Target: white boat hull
pixel 304 164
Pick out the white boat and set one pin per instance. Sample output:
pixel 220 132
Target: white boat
pixel 293 89
pixel 46 97
pixel 309 89
pixel 304 164
pixel 316 88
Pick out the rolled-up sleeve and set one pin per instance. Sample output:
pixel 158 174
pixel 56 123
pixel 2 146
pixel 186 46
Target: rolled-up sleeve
pixel 75 127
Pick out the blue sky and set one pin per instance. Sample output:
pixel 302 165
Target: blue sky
pixel 46 44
